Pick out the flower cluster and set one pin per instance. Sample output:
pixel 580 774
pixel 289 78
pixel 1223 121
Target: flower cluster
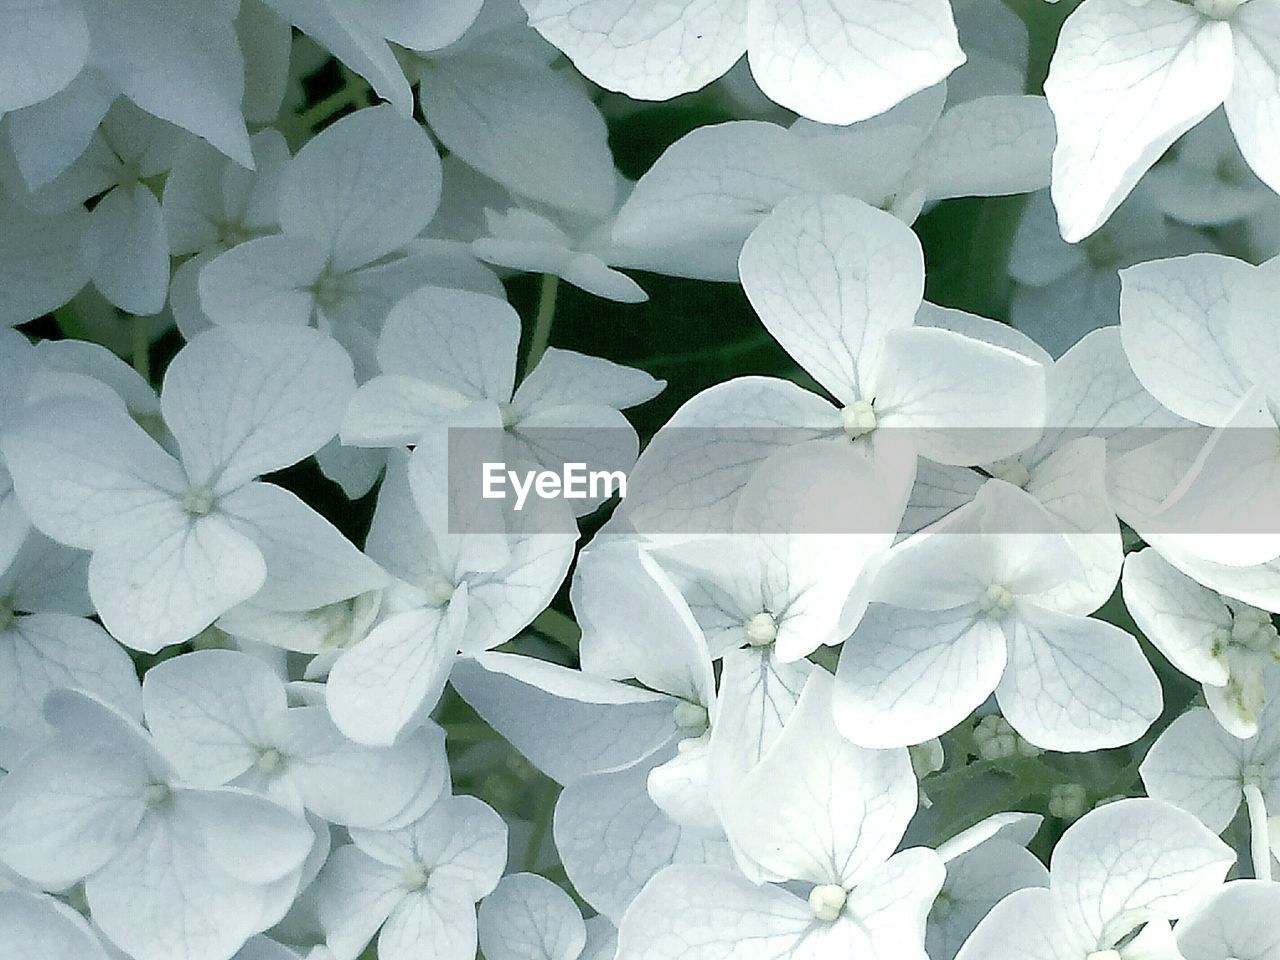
pixel 918 629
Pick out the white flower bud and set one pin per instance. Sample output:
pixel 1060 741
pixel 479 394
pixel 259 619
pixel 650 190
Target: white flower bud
pixel 827 901
pixel 1068 801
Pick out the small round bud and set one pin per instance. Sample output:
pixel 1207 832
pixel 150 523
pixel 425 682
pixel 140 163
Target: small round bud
pixel 827 901
pixel 269 760
pixel 1068 801
pixel 198 501
pixel 155 794
pixel 995 739
pixel 927 757
pixel 858 419
pixel 996 601
pixel 691 717
pixel 761 629
pixel 439 592
pixel 415 876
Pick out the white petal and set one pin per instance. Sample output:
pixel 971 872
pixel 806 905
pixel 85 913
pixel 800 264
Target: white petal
pixel 565 378
pixel 253 839
pixel 423 338
pixel 85 474
pixel 1175 324
pixel 1197 765
pixel 963 401
pixel 502 603
pixel 212 711
pixel 647 52
pixel 527 917
pixel 521 123
pixel 50 650
pixel 354 895
pixel 1133 861
pixel 906 676
pixel 1127 80
pixel 781 817
pixel 362 786
pixel 1073 683
pixel 362 188
pixel 1026 925
pixel 612 838
pixel 181 66
pixel 976 881
pixel 265 41
pixel 1176 614
pixel 46 928
pixel 245 400
pixel 716 914
pixel 690 212
pixel 989 147
pixel 624 594
pixel 172 577
pixel 40 263
pixel 830 278
pixel 437 921
pixel 1253 105
pixel 268 280
pixel 126 250
pixel 839 62
pixel 585 724
pixel 1236 921
pixel 392 678
pixel 66 811
pixel 44 48
pixel 309 563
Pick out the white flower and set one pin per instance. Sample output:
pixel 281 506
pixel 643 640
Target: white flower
pixel 350 203
pixel 1116 878
pixel 45 642
pixel 817 810
pixel 46 928
pixel 985 864
pixel 1199 334
pixel 527 917
pixel 1131 76
pixel 449 356
pixel 41 267
pixel 833 64
pixel 1224 644
pixel 169 869
pixel 183 66
pixel 176 543
pixel 692 210
pixel 970 607
pixel 418 885
pixel 457 592
pixel 1235 923
pixel 222 717
pixel 46 45
pixel 210 204
pixel 1198 766
pixel 838 283
pixel 1063 291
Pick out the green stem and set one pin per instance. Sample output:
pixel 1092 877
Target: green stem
pixel 141 329
pixel 542 323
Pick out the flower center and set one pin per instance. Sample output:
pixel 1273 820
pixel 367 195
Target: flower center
pixel 1254 775
pixel 439 592
pixel 761 629
pixel 510 417
pixel 155 794
pixel 997 601
pixel 269 760
pixel 827 901
pixel 415 876
pixel 7 616
pixel 1011 470
pixel 858 419
pixel 1218 9
pixel 198 501
pixel 328 290
pixel 690 717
